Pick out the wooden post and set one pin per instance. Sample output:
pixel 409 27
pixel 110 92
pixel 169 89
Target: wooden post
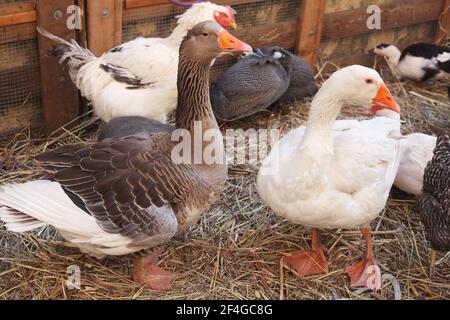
pixel 443 32
pixel 59 96
pixel 17 13
pixel 309 32
pixel 104 24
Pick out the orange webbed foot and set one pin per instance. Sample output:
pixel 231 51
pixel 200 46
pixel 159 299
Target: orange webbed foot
pixel 365 274
pixel 145 271
pixel 307 263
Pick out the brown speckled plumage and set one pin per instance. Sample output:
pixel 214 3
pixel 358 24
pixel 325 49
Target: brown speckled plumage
pixel 434 203
pixel 131 185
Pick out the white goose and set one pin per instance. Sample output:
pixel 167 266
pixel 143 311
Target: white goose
pixel 137 78
pixel 417 152
pixel 335 176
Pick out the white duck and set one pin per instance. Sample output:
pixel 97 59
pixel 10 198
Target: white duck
pixel 417 152
pixel 137 78
pixel 335 176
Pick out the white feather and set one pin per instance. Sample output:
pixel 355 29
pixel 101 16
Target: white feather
pixel 45 203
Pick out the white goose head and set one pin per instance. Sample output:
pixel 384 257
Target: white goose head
pixel 359 86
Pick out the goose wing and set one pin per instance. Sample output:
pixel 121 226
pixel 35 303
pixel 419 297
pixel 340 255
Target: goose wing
pixel 151 60
pixel 130 186
pixel 367 156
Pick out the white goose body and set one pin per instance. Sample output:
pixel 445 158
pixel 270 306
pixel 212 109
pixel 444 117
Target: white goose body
pixel 333 175
pixel 417 152
pixel 137 78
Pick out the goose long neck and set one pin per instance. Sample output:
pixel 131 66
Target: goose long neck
pixel 193 94
pixel 324 112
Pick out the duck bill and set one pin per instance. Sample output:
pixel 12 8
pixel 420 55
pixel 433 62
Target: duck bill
pixel 384 100
pixel 229 43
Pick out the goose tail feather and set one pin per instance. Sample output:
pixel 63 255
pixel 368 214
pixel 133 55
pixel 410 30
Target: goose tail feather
pixel 69 53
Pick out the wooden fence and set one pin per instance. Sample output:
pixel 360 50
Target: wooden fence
pixel 36 92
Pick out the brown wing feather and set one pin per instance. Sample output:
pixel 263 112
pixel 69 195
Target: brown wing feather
pixel 121 181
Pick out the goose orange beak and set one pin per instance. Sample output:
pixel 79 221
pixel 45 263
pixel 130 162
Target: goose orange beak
pixel 384 100
pixel 229 43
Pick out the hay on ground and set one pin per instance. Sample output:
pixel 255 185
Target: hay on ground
pixel 234 251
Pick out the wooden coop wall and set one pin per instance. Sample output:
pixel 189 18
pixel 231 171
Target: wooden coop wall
pixel 20 98
pixel 35 92
pixel 346 38
pixel 261 22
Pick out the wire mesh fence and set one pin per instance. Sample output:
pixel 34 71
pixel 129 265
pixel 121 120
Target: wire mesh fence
pixel 260 23
pixel 19 79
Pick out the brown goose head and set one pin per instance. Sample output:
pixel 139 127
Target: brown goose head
pixel 208 40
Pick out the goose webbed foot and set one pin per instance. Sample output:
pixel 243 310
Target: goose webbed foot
pixel 308 263
pixel 366 274
pixel 146 272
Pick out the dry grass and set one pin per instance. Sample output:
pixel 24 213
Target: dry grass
pixel 234 252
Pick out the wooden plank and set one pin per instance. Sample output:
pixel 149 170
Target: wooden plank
pixel 281 34
pixel 345 50
pixel 118 22
pixel 162 9
pixel 59 95
pixel 17 13
pixel 17 119
pixel 11 8
pixel 443 32
pixel 352 23
pixel 16 33
pixel 104 24
pixel 133 4
pixel 17 18
pixel 309 31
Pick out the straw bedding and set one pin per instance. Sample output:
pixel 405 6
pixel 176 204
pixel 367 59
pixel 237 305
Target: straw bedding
pixel 234 251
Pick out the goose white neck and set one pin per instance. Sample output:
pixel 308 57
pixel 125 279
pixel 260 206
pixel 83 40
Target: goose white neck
pixel 325 108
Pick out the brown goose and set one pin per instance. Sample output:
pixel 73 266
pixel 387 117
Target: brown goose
pixel 122 195
pixel 434 203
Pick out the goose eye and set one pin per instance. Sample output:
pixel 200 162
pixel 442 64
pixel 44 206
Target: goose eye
pixel 369 81
pixel 205 34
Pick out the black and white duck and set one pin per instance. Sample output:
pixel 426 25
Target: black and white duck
pixel 418 62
